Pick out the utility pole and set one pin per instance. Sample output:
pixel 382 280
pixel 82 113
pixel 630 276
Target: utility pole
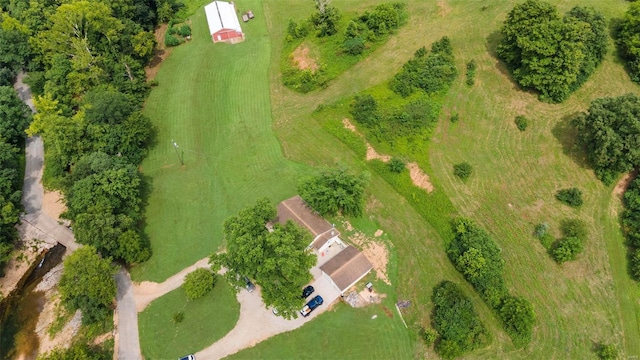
pixel 181 158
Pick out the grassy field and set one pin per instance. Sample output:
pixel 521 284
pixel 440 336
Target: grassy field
pixel 206 320
pixel 516 175
pixel 213 101
pixel 354 334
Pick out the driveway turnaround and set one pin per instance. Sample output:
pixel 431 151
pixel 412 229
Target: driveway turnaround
pixel 256 323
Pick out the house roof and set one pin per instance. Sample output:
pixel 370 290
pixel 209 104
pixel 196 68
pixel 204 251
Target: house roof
pixel 221 15
pixel 297 210
pixel 349 266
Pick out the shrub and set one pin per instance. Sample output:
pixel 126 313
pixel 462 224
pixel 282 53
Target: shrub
pixel 354 46
pixel 547 240
pixel 522 122
pixel 178 317
pixel 364 109
pixel 606 351
pixel 456 320
pixel 454 118
pixel 566 249
pixel 540 230
pixel 462 170
pixel 571 197
pixel 198 283
pixel 471 72
pixel 396 165
pixel 574 227
pixel 518 318
pixel 185 30
pixel 170 40
pixel 429 336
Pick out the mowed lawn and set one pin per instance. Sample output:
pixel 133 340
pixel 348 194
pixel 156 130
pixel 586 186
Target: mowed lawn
pixel 213 101
pixel 206 320
pixel 516 175
pixel 343 333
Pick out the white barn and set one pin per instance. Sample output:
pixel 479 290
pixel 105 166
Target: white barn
pixel 223 22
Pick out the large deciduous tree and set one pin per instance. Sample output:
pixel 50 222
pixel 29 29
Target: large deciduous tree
pixel 628 40
pixel 610 130
pixel 278 260
pixel 333 190
pixel 552 54
pixel 88 284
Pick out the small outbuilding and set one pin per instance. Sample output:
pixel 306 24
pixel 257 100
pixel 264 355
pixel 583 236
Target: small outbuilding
pixel 224 25
pixel 346 268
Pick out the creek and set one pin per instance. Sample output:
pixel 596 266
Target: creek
pixel 19 312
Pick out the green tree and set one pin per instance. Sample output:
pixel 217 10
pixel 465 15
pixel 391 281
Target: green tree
pixel 628 40
pixel 463 170
pixel 518 317
pixel 482 266
pixel 364 109
pixel 333 190
pixel 610 131
pixel 325 20
pixel 571 197
pixel 198 283
pixel 278 260
pixel 550 54
pixel 88 284
pixel 607 351
pixel 14 116
pixel 456 320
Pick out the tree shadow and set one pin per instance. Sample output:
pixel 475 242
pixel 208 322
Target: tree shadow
pixel 614 25
pixel 493 40
pixel 567 134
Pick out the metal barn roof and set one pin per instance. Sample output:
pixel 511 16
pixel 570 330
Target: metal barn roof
pixel 221 15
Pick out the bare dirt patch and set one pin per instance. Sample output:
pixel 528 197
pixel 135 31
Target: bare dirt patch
pixel 303 60
pixel 53 204
pixel 443 8
pixel 378 233
pixel 419 178
pixel 159 53
pixel 623 184
pixel 372 154
pixel 376 252
pixel 349 126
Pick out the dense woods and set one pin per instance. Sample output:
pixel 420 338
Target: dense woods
pixel 14 119
pixel 552 54
pixel 86 67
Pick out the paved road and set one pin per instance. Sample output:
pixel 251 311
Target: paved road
pixel 127 339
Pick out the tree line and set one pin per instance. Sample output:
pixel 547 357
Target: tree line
pixel 14 119
pixel 479 259
pixel 85 62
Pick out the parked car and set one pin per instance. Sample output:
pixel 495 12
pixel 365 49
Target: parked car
pixel 249 285
pixel 188 357
pixel 311 305
pixel 307 291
